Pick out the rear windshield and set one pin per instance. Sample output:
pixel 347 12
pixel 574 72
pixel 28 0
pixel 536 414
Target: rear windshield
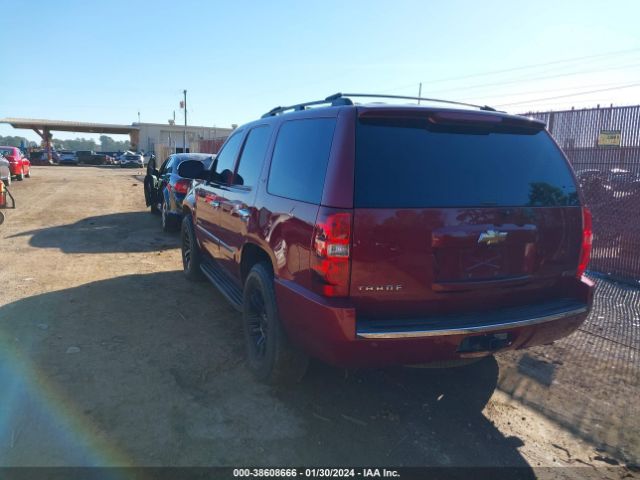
pixel 400 165
pixel 206 161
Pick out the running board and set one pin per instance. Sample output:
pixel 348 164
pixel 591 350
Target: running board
pixel 222 281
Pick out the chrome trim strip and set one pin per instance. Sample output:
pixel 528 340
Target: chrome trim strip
pixel 474 329
pixel 219 242
pixel 225 246
pixel 208 233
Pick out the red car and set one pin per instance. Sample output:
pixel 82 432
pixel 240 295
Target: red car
pixel 19 165
pixel 371 235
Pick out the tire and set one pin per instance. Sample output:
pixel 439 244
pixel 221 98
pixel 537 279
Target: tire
pixel 168 221
pixel 28 175
pixel 190 251
pixel 154 208
pixel 7 181
pixel 270 356
pixel 20 177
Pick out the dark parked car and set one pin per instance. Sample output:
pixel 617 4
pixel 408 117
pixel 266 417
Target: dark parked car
pixel 370 235
pixel 100 158
pixel 85 156
pixel 623 180
pixel 67 157
pixel 164 189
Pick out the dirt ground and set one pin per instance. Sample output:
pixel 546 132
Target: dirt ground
pixel 108 356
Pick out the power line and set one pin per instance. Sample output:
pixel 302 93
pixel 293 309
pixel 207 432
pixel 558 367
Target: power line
pixel 569 95
pixel 568 60
pixel 482 99
pixel 528 79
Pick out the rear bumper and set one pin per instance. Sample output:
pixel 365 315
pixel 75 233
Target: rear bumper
pixel 175 204
pixel 15 168
pixel 330 331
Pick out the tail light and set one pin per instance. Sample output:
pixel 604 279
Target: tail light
pixel 587 238
pixel 330 258
pixel 182 186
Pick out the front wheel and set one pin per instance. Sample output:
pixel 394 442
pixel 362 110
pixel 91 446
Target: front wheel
pixel 271 357
pixel 190 250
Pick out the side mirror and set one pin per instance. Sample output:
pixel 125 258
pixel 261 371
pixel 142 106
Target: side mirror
pixel 192 169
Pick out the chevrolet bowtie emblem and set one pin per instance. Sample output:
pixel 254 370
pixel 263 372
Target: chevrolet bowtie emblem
pixel 492 237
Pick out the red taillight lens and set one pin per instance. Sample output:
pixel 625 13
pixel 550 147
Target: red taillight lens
pixel 182 186
pixel 587 238
pixel 330 258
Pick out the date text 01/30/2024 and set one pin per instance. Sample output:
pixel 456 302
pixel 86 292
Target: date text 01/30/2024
pixel 315 472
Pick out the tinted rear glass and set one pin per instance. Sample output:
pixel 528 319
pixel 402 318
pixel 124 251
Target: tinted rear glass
pixel 408 166
pixel 300 159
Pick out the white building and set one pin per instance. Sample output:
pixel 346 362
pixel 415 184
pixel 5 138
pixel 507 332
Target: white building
pixel 162 138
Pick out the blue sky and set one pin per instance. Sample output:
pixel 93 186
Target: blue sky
pixel 104 61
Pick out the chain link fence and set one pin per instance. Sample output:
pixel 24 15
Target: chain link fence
pixel 603 145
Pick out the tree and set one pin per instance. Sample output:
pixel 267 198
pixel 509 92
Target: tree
pixel 14 141
pixel 108 144
pixel 77 144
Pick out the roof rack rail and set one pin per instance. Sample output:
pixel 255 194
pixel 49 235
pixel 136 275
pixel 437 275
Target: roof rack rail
pixel 336 96
pixel 343 99
pixel 302 106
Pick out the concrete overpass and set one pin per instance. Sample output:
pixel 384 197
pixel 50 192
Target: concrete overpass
pixel 44 128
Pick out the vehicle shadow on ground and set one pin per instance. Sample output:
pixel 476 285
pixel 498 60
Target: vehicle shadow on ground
pixel 120 371
pixel 127 232
pixel 584 382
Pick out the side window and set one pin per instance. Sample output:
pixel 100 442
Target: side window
pixel 163 168
pixel 253 153
pixel 300 159
pixel 226 159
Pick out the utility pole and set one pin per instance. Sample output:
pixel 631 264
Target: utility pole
pixel 184 139
pixel 138 116
pixel 419 92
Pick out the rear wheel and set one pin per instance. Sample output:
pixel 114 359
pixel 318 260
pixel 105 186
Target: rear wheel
pixel 169 223
pixel 28 175
pixel 190 251
pixel 271 356
pixel 20 177
pixel 7 181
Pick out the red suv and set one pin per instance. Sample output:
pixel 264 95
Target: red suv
pixel 19 165
pixel 375 234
